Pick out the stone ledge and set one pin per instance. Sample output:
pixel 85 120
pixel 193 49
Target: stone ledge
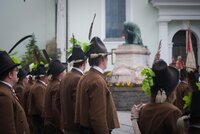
pixel 126 97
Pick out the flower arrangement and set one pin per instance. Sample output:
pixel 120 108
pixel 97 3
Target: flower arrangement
pixel 121 84
pixel 117 84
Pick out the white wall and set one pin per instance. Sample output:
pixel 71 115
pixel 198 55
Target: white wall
pixel 19 18
pixel 80 15
pixel 145 16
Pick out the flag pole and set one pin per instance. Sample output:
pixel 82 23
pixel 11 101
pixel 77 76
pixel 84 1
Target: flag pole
pixel 190 60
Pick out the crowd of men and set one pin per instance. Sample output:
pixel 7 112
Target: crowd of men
pixel 174 104
pixel 53 101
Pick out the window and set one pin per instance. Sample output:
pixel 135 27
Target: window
pixel 115 17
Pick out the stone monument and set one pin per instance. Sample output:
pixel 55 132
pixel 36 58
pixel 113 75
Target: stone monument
pixel 131 57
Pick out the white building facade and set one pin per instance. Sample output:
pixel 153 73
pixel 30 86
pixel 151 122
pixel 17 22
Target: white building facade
pixel 19 18
pixel 164 20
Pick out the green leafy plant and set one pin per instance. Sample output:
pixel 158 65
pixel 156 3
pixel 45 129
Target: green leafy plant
pixel 188 98
pixel 198 85
pixel 84 46
pixel 14 59
pixel 147 83
pixel 28 57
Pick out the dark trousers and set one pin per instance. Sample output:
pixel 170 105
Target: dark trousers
pixel 85 130
pixel 38 124
pixel 50 128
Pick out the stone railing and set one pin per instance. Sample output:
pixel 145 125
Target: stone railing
pixel 126 97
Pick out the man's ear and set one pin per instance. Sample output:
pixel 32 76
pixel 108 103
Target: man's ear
pixel 10 74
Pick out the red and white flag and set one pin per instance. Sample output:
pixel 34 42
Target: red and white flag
pixel 190 60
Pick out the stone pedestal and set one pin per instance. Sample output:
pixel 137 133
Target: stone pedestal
pixel 126 97
pixel 130 60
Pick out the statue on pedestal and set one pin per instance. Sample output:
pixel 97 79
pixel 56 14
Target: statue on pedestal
pixel 132 33
pixel 131 57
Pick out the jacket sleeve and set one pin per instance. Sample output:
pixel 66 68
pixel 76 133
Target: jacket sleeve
pixel 7 122
pixel 171 122
pixel 97 111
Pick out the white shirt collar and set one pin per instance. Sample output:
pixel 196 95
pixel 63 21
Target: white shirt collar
pixel 43 82
pixel 78 69
pixel 184 82
pixel 98 69
pixel 9 85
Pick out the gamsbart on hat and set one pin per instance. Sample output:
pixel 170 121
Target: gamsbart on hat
pixel 97 48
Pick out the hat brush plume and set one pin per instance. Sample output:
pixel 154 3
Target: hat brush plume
pixel 157 56
pixel 73 40
pixel 35 55
pixel 16 44
pixel 91 26
pixel 46 56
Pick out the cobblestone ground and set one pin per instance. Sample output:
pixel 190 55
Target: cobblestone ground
pixel 125 123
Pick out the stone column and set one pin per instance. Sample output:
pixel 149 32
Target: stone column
pixel 170 52
pixel 163 35
pixel 61 30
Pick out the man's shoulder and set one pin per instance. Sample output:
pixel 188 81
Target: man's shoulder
pixel 6 94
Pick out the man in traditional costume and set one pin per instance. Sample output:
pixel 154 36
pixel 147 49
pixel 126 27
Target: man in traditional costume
pixel 12 116
pixel 160 115
pixel 95 110
pixel 36 99
pixel 68 90
pixel 51 108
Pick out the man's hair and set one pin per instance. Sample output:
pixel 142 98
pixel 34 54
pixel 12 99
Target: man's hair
pixel 5 74
pixel 96 61
pixel 77 65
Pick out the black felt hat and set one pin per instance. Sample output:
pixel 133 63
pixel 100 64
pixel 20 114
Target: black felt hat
pixel 21 74
pixel 77 55
pixel 56 67
pixel 166 77
pixel 6 63
pixel 97 48
pixel 41 70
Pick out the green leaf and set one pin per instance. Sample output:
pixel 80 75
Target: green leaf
pixel 33 66
pixel 148 80
pixel 187 99
pixel 15 60
pixel 84 46
pixel 69 51
pixel 198 85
